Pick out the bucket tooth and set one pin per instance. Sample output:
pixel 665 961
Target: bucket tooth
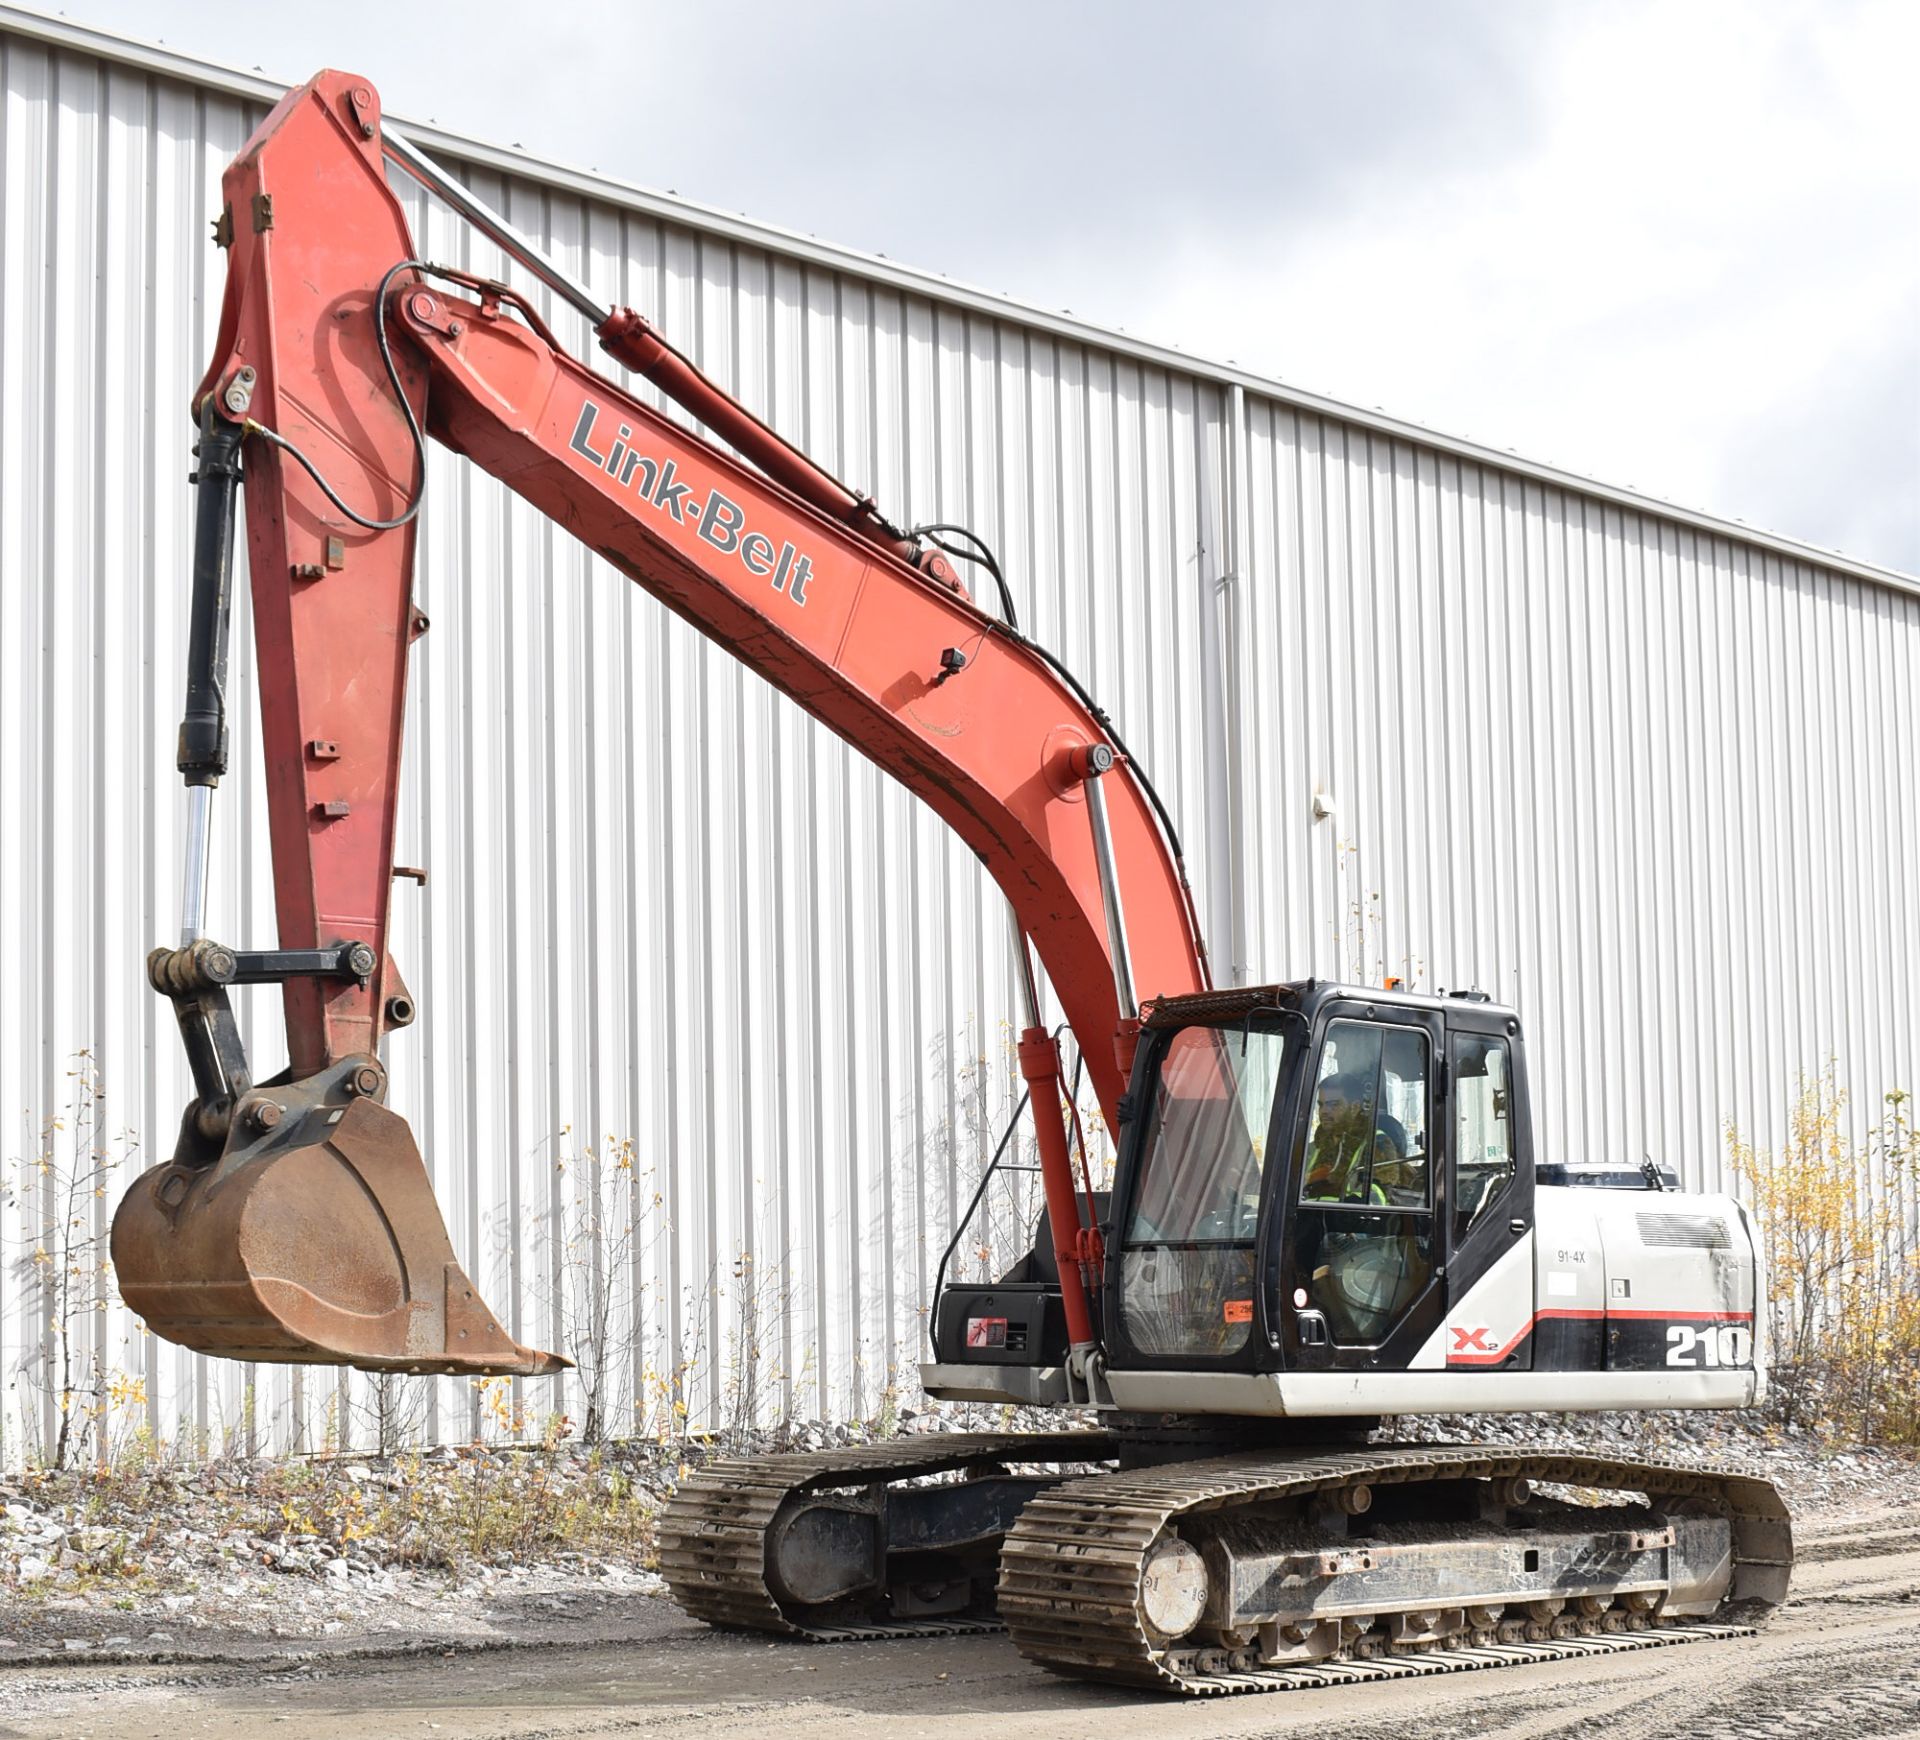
pixel 318 1242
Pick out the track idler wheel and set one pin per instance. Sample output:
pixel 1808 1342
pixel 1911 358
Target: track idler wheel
pixel 314 1238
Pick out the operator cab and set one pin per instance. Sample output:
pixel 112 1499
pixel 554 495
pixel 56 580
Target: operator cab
pixel 1308 1174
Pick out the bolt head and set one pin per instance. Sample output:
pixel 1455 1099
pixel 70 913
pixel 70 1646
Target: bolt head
pixel 365 1080
pixel 266 1114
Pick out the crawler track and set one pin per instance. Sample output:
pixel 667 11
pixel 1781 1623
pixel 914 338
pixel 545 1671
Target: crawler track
pixel 1071 1569
pixel 713 1532
pixel 1070 1587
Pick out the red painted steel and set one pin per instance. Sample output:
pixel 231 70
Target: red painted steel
pixel 792 574
pixel 1040 1066
pixel 314 229
pixel 631 339
pixel 853 635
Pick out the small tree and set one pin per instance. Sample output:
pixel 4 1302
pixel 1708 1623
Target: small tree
pixel 1889 1299
pixel 390 1410
pixel 605 1219
pixel 64 1267
pixel 1837 1223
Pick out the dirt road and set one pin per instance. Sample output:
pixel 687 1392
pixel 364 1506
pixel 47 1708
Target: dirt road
pixel 1841 1659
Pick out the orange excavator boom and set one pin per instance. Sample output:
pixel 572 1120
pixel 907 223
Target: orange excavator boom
pixel 296 1220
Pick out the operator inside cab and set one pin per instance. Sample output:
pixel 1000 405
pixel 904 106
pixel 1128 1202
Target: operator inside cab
pixel 1369 1254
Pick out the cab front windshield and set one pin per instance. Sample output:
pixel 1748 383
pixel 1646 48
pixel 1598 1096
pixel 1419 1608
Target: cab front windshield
pixel 1187 1257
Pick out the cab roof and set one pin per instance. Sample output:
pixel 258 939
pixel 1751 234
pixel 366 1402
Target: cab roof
pixel 1301 997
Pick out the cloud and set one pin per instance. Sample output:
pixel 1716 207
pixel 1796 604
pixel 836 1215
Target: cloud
pixel 1715 234
pixel 1672 246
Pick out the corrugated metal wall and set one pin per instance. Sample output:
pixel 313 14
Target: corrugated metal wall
pixel 1657 788
pixel 715 1019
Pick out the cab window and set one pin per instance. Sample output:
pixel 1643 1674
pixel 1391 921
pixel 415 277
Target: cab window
pixel 1367 1134
pixel 1363 1232
pixel 1483 1157
pixel 1187 1259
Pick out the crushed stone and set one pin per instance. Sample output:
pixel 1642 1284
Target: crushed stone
pixel 485 1546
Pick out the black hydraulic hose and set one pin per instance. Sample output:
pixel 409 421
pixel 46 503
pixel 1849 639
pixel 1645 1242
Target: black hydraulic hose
pixel 1113 737
pixel 981 553
pixel 406 407
pixel 202 750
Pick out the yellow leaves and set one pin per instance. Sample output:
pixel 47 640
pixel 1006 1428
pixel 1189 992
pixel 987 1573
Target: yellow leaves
pixel 498 1407
pixel 124 1391
pixel 1843 1260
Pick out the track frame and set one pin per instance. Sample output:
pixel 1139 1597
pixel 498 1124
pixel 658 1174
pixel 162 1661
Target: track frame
pixel 1070 1589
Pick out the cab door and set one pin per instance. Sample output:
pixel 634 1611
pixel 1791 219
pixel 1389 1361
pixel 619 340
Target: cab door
pixel 1488 1198
pixel 1362 1259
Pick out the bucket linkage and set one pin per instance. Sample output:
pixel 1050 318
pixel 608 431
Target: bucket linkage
pixel 296 1221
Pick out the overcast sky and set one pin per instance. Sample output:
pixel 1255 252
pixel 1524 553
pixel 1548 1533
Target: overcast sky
pixel 1674 245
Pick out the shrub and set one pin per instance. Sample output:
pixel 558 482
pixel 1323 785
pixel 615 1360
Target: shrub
pixel 1838 1226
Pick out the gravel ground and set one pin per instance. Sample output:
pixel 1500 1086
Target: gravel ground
pixel 1842 1658
pixel 482 1547
pixel 1821 1480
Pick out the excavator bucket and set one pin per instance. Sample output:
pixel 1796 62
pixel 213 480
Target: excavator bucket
pixel 315 1241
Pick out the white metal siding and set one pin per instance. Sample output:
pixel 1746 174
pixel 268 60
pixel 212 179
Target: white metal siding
pixel 1655 783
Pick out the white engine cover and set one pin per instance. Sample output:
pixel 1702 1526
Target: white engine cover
pixel 1616 1281
pixel 1618 1299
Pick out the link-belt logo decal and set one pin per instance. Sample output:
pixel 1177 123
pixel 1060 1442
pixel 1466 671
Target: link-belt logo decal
pixel 721 522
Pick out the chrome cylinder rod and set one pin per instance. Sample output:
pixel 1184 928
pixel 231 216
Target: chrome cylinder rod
pixel 193 895
pixel 484 218
pixel 1023 959
pixel 202 748
pixel 1110 887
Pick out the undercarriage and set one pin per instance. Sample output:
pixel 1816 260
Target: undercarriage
pixel 1272 1568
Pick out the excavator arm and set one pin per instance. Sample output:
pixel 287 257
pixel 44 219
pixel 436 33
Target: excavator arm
pixel 296 1221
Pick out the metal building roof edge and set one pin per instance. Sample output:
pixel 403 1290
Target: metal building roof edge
pixel 156 58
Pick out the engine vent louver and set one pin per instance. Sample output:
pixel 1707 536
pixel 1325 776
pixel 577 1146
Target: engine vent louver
pixel 1685 1231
